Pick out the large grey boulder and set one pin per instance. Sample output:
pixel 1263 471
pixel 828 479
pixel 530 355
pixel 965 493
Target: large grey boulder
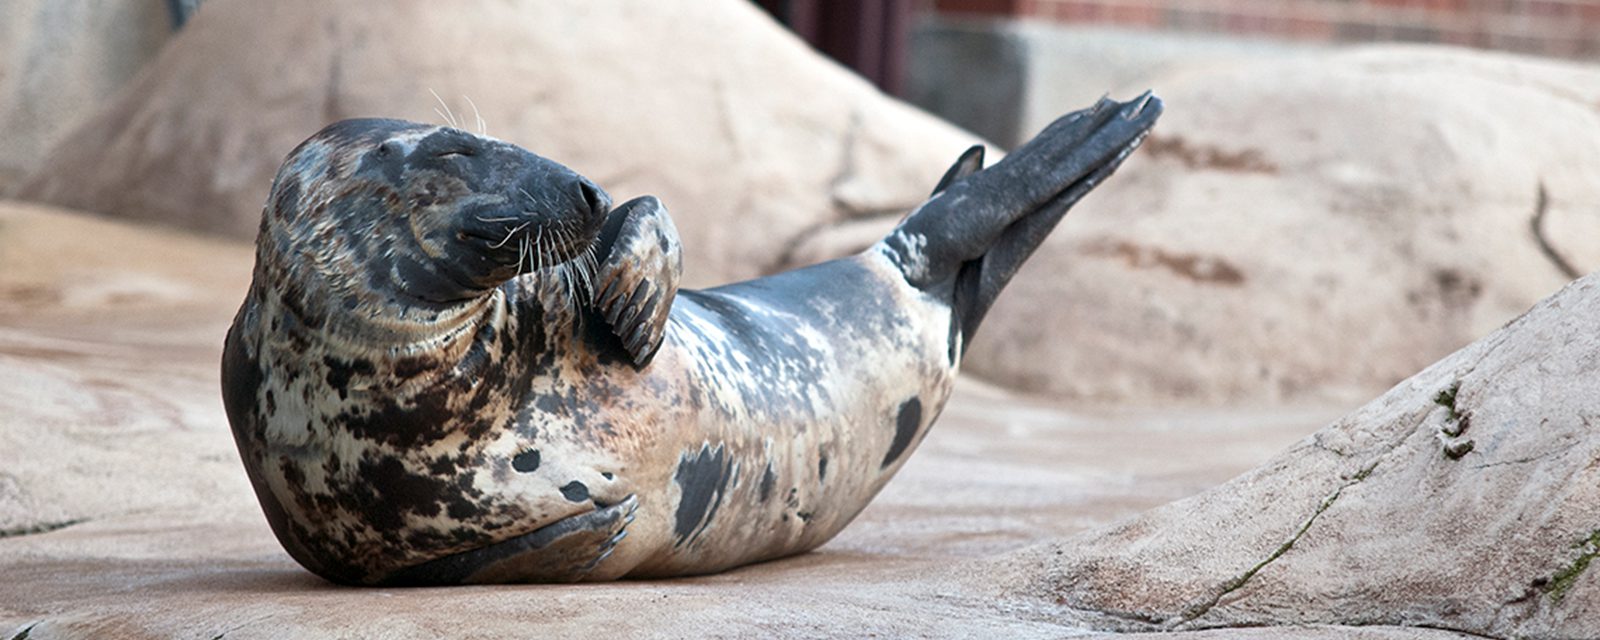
pixel 60 62
pixel 747 135
pixel 1317 227
pixel 1465 498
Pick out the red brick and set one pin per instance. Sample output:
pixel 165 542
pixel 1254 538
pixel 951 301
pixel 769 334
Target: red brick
pixel 993 7
pixel 1310 28
pixel 1562 27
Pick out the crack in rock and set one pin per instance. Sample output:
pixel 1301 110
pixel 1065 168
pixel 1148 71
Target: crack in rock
pixel 1200 609
pixel 1541 206
pixel 1240 580
pixel 43 527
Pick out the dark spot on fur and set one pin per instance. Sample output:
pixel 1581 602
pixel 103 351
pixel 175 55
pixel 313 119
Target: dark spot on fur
pixel 822 466
pixel 340 372
pixel 461 509
pixel 478 354
pixel 443 466
pixel 410 367
pixel 287 201
pixel 768 478
pixel 548 403
pixel 905 429
pixel 526 462
pixel 575 491
pixel 428 418
pixel 296 480
pixel 392 492
pixel 702 478
pixel 460 506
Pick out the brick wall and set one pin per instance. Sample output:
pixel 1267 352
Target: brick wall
pixel 1562 28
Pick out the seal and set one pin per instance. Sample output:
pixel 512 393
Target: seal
pixel 457 363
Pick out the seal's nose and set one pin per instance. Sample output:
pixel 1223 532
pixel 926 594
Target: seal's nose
pixel 595 200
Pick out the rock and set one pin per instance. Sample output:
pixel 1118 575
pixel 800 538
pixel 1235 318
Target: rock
pixel 749 137
pixel 60 61
pixel 1462 499
pixel 109 342
pixel 1322 226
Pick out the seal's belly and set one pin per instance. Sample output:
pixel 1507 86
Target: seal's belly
pixel 791 411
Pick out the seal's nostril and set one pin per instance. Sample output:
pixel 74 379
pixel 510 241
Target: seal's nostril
pixel 595 199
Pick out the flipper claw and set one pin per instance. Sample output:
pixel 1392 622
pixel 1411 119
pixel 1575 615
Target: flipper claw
pixel 641 261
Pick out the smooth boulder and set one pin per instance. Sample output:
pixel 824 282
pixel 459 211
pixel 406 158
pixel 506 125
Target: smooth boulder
pixel 748 136
pixel 1317 228
pixel 1463 499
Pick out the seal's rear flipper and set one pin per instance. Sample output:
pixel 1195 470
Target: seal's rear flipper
pixel 970 162
pixel 979 229
pixel 640 261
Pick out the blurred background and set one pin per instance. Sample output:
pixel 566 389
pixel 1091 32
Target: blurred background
pixel 58 57
pixel 911 48
pixel 1341 192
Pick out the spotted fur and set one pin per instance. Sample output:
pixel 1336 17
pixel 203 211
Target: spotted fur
pixel 419 401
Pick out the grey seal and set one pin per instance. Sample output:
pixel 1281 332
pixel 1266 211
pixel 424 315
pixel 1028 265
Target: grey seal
pixel 457 363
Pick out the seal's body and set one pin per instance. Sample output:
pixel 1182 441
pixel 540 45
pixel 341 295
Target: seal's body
pixel 425 389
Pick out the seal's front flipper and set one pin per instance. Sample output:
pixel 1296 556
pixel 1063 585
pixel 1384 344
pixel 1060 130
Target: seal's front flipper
pixel 566 550
pixel 640 261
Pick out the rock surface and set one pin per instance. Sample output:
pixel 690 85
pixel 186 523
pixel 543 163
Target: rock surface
pixel 109 341
pixel 750 138
pixel 60 62
pixel 1463 499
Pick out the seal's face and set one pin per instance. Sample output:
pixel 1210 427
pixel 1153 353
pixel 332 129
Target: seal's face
pixel 456 213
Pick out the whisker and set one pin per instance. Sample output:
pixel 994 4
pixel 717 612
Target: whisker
pixel 522 253
pixel 505 219
pixel 591 259
pixel 483 127
pixel 528 242
pixel 447 115
pixel 538 250
pixel 510 233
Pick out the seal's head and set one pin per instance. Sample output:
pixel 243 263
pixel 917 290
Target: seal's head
pixel 372 210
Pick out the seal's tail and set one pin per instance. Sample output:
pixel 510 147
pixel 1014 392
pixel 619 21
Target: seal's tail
pixel 982 224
